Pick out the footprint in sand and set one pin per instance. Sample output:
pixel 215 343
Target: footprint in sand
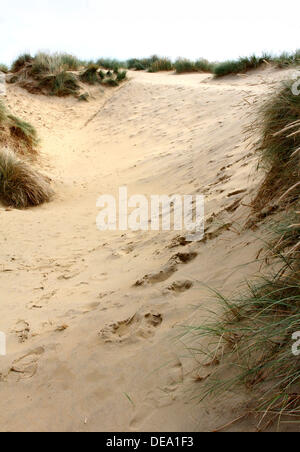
pixel 178 241
pixel 26 366
pixel 140 326
pixel 22 329
pixel 168 269
pixel 179 286
pixel 160 397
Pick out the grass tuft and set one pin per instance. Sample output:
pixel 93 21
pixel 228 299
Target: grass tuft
pixel 245 64
pixel 162 64
pixel 142 64
pixel 61 84
pixel 110 64
pixel 183 65
pixel 279 147
pixel 21 61
pixel 23 131
pixel 91 75
pixel 20 185
pixel 110 82
pixel 239 66
pixel 3 68
pixel 44 63
pixel 84 97
pixel 121 76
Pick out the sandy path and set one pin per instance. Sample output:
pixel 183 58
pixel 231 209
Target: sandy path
pixel 86 349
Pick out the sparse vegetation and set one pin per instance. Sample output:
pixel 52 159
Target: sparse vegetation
pixel 239 66
pixel 21 61
pixel 251 341
pixel 3 113
pixel 136 65
pixel 121 76
pixel 245 64
pixel 3 68
pixel 20 185
pixel 279 147
pixel 110 64
pixel 287 59
pixel 91 75
pixel 70 62
pixel 84 97
pixel 47 74
pixel 54 74
pixel 110 82
pixel 142 64
pixel 162 64
pixel 61 84
pixel 44 63
pixel 183 65
pixel 17 133
pixel 23 131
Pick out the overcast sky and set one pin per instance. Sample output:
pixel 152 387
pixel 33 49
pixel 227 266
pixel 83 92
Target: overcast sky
pixel 216 30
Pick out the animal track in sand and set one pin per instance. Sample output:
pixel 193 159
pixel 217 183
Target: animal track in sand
pixel 168 270
pixel 139 326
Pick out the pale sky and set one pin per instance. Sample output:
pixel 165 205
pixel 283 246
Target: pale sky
pixel 90 29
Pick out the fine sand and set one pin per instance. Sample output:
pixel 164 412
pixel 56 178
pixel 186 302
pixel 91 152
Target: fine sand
pixel 87 349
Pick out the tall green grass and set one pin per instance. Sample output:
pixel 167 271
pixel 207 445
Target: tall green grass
pixel 162 64
pixel 141 64
pixel 242 65
pixel 44 63
pixel 279 146
pixel 110 64
pixel 183 65
pixel 287 59
pixel 239 66
pixel 250 341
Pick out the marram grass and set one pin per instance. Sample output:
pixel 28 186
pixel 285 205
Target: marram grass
pixel 21 186
pixel 251 341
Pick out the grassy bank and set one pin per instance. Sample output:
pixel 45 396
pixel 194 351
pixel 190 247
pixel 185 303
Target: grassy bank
pixel 252 341
pixel 21 184
pixel 61 74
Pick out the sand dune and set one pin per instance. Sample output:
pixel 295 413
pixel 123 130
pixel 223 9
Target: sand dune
pixel 88 348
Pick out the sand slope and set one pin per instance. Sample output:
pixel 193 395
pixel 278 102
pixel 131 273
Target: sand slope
pixel 88 350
